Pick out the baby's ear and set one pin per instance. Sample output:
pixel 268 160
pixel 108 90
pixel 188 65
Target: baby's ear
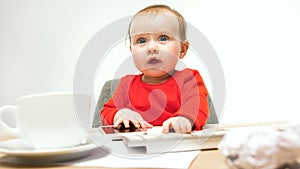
pixel 184 47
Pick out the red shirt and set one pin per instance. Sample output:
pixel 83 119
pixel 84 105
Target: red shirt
pixel 184 94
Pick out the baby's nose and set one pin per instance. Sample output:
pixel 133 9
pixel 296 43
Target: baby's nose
pixel 152 47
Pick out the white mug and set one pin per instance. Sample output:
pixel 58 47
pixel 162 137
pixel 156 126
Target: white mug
pixel 48 120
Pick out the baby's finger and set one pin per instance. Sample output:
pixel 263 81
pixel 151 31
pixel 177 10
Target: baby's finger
pixel 145 125
pixel 135 123
pixel 118 122
pixel 182 128
pixel 166 126
pixel 126 124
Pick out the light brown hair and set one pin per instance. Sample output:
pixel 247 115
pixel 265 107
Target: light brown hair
pixel 161 9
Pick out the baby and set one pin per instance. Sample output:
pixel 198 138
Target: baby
pixel 160 95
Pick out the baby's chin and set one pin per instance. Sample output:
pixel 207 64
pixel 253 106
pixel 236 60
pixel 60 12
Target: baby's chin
pixel 156 72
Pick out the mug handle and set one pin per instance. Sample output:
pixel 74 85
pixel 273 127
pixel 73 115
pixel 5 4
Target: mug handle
pixel 9 109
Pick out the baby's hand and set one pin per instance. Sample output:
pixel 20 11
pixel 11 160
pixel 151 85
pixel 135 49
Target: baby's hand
pixel 179 124
pixel 126 116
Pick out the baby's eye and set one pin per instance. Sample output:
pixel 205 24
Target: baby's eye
pixel 163 38
pixel 141 41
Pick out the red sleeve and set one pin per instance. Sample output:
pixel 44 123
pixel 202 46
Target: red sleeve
pixel 118 101
pixel 194 104
pixel 108 112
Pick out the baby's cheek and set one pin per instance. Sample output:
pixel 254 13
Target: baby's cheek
pixel 139 61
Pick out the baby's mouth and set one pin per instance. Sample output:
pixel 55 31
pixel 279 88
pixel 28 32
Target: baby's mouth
pixel 153 61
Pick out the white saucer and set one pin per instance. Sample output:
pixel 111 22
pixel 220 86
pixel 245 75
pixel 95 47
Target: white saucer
pixel 19 149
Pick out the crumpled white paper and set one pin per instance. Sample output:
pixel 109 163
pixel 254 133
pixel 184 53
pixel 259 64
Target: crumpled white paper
pixel 262 148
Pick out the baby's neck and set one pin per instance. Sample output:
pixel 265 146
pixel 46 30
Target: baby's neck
pixel 156 80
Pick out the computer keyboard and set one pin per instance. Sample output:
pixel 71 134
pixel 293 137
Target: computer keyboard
pixel 171 142
pixel 155 142
pixel 142 140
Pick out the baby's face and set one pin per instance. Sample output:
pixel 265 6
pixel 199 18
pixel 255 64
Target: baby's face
pixel 155 43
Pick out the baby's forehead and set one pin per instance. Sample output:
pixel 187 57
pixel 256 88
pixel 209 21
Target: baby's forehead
pixel 155 23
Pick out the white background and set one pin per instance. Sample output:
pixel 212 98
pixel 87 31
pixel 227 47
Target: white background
pixel 257 42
